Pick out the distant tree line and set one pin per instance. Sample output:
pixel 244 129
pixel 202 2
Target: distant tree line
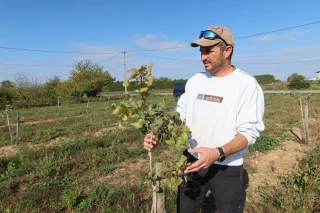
pixel 87 79
pixel 158 83
pixel 295 81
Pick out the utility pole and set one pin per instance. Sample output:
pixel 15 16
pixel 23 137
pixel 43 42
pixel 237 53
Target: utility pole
pixel 125 71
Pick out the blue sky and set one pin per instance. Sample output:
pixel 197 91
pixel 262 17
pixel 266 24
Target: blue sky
pixel 108 27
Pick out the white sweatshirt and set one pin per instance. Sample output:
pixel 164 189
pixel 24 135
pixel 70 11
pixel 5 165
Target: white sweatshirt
pixel 216 109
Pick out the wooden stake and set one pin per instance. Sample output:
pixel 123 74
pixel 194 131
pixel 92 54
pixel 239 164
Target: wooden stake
pixel 160 206
pixel 306 115
pixel 8 121
pixel 18 125
pixel 303 135
pixel 87 106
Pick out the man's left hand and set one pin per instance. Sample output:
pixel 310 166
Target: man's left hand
pixel 207 157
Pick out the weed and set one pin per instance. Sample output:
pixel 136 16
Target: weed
pixel 69 198
pixel 264 143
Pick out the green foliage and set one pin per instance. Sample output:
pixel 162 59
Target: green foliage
pixel 265 79
pixel 157 119
pixel 88 79
pixel 69 198
pixel 27 88
pixel 50 88
pixel 264 143
pixel 7 93
pixel 47 166
pixel 297 81
pixel 298 84
pixel 296 77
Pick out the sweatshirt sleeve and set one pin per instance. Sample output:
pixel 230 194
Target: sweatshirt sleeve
pixel 182 105
pixel 250 112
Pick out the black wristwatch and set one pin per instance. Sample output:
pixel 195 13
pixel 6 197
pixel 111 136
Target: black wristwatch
pixel 222 156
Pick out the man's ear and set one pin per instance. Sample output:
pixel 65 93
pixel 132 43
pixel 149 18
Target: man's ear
pixel 228 51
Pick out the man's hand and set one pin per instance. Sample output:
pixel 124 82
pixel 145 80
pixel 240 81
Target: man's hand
pixel 207 157
pixel 149 142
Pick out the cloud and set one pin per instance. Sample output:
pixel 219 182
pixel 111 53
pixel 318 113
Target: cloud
pixel 311 59
pixel 157 41
pixel 289 36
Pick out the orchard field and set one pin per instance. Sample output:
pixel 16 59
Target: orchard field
pixel 74 158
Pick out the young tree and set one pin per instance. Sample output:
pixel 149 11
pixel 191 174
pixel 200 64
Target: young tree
pixel 161 122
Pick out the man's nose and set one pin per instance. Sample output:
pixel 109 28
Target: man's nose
pixel 203 57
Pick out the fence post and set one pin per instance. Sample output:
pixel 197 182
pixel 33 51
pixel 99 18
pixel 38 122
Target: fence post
pixel 18 125
pixel 8 121
pixel 87 109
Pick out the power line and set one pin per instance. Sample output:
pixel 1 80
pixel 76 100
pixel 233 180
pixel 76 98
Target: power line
pixel 115 67
pixel 288 28
pixel 110 58
pixel 96 53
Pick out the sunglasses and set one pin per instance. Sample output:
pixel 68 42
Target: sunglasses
pixel 208 34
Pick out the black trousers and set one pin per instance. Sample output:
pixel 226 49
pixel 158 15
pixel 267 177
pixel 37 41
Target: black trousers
pixel 225 184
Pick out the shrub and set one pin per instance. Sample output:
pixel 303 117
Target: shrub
pixel 298 84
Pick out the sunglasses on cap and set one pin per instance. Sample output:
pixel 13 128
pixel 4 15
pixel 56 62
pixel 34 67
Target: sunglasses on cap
pixel 208 34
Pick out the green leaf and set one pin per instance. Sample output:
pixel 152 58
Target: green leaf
pixel 137 125
pixel 133 71
pixel 117 110
pixel 124 117
pixel 185 137
pixel 170 127
pixel 170 142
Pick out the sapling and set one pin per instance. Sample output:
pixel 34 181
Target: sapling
pixel 160 121
pixel 304 115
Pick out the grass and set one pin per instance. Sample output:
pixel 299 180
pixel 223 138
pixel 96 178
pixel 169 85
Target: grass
pixel 297 192
pixel 78 172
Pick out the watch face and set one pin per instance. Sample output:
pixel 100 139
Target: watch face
pixel 222 158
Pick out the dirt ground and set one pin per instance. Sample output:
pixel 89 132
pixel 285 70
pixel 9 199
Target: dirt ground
pixel 260 167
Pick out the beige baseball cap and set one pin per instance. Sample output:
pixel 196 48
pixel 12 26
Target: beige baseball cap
pixel 223 32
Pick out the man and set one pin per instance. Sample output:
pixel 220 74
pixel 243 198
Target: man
pixel 224 108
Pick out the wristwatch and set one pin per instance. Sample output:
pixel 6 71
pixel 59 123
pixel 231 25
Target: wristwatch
pixel 222 156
